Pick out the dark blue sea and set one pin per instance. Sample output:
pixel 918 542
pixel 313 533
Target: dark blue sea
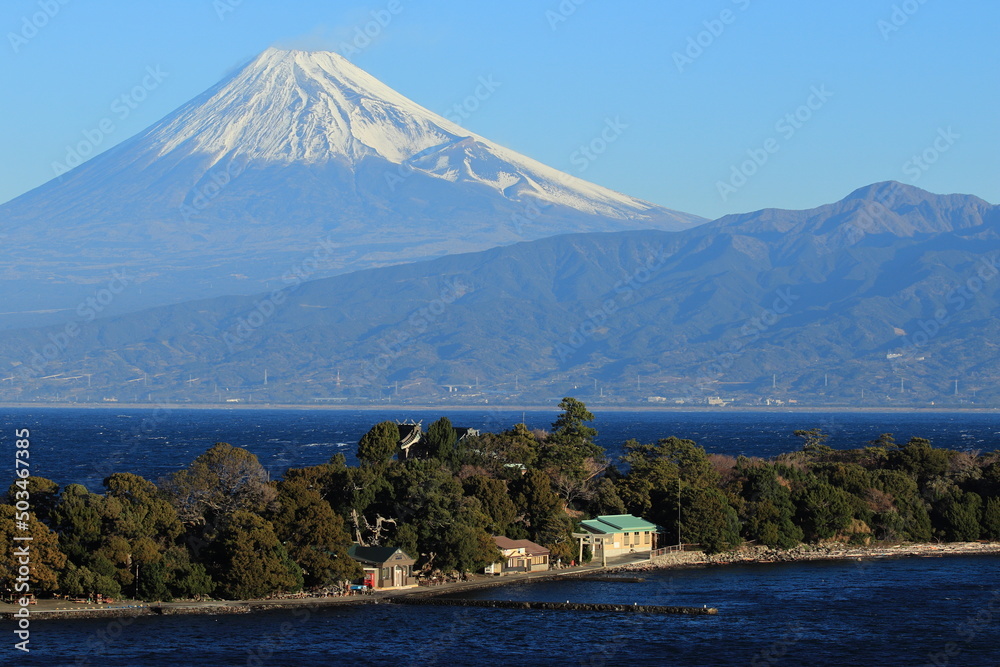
pixel 917 611
pixel 84 446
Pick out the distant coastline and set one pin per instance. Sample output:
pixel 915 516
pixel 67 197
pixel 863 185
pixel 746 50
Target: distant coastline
pixel 501 407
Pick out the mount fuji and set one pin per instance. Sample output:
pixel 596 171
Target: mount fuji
pixel 299 165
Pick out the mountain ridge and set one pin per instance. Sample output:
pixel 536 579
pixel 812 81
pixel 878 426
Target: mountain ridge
pixel 731 310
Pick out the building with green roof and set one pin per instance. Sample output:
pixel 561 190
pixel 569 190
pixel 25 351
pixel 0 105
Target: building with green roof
pixel 618 535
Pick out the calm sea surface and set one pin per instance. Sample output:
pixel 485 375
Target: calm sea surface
pixel 920 611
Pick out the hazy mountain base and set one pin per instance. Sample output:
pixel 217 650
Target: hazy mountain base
pixel 888 298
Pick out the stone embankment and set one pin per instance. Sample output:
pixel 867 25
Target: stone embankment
pixel 810 552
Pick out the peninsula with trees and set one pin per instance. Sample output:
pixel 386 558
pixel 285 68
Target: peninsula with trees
pixel 221 528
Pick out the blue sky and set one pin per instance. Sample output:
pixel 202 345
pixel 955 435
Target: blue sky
pixel 723 106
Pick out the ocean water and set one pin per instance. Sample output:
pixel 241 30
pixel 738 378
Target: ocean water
pixel 86 445
pixel 917 611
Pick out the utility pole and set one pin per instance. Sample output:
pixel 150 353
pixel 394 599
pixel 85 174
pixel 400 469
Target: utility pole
pixel 679 542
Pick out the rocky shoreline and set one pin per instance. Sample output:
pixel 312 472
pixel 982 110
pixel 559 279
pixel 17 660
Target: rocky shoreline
pixel 810 552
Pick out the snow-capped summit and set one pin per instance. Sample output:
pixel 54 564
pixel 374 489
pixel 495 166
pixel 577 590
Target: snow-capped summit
pixel 317 106
pixel 303 106
pixel 297 148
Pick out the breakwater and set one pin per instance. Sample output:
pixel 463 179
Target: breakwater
pixel 555 606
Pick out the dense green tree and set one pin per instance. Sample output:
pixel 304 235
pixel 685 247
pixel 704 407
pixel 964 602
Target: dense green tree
pixel 960 515
pixel 379 444
pixel 43 494
pixel 220 482
pixel 313 535
pixel 708 519
pixel 606 499
pixel 658 472
pixel 441 441
pixel 991 519
pixel 430 499
pixel 185 579
pixel 905 517
pixel 569 455
pixel 85 581
pixel 407 539
pixel 823 510
pixel 79 520
pixel 465 548
pixel 920 460
pixel 494 496
pixel 769 509
pixel 45 556
pixel 250 562
pixel 140 510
